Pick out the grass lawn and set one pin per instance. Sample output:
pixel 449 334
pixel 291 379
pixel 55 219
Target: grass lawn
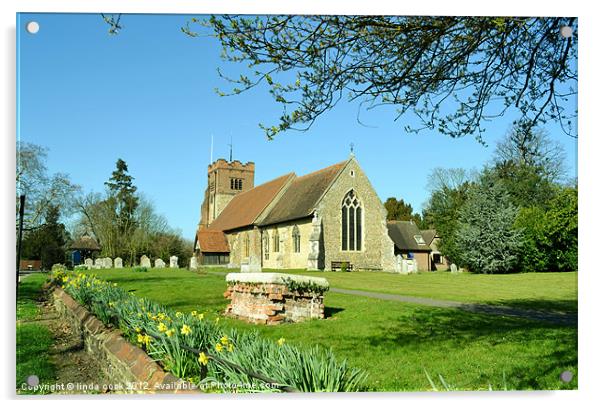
pixel 396 342
pixel 33 339
pixel 547 291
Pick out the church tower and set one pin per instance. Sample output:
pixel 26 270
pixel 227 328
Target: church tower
pixel 224 180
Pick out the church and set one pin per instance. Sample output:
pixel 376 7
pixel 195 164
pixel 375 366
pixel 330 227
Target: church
pixel 330 219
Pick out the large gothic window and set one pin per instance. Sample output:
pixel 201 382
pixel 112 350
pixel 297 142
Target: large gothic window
pixel 351 223
pixel 296 240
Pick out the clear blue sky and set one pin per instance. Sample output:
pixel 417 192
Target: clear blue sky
pixel 147 96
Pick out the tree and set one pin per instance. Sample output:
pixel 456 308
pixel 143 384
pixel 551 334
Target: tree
pixel 526 146
pixel 400 211
pixel 48 242
pixel 123 196
pixel 486 238
pixel 453 73
pixel 41 190
pixel 529 164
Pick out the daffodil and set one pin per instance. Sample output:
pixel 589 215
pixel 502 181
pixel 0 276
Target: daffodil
pixel 217 320
pixel 170 332
pixel 162 327
pixel 193 313
pixel 137 329
pixel 179 314
pixel 230 347
pixel 201 316
pixel 186 330
pixel 224 340
pixel 203 359
pixel 281 341
pixel 219 347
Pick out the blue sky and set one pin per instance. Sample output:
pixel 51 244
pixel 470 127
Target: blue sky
pixel 147 96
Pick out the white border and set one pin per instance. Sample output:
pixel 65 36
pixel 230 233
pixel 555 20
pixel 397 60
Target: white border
pixel 589 171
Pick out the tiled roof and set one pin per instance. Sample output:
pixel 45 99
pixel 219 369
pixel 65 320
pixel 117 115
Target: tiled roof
pixel 245 207
pixel 212 241
pixel 403 232
pixel 429 235
pixel 302 195
pixel 85 242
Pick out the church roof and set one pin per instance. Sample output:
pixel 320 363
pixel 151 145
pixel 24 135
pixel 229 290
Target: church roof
pixel 212 241
pixel 244 208
pixel 407 236
pixel 85 242
pixel 302 195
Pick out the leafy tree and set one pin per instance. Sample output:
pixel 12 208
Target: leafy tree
pixel 551 234
pixel 486 238
pixel 453 73
pixel 400 211
pixel 123 196
pixel 48 242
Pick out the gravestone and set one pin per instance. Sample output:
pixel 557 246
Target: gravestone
pixel 118 263
pixel 89 263
pixel 145 262
pixel 98 263
pixel 107 263
pixel 159 263
pixel 193 263
pixel 173 261
pixel 453 268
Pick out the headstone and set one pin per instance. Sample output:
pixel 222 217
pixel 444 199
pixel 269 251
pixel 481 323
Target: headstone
pixel 398 263
pixel 89 263
pixel 453 268
pixel 159 263
pixel 107 263
pixel 173 261
pixel 145 262
pixel 98 263
pixel 193 263
pixel 118 263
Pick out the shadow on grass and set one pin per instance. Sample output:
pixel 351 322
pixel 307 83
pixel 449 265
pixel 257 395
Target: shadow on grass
pixel 331 311
pixel 567 306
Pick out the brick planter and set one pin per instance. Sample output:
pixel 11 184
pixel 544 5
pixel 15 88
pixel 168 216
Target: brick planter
pixel 128 368
pixel 274 298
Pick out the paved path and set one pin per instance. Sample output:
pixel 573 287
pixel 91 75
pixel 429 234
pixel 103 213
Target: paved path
pixel 565 319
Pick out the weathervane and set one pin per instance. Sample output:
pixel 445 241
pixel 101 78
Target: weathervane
pixel 351 148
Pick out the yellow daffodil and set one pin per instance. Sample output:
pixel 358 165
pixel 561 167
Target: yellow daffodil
pixel 179 314
pixel 201 316
pixel 230 347
pixel 162 327
pixel 203 359
pixel 224 340
pixel 219 347
pixel 170 332
pixel 193 313
pixel 186 330
pixel 217 320
pixel 137 329
pixel 281 341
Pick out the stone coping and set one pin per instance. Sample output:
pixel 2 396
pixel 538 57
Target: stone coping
pixel 275 278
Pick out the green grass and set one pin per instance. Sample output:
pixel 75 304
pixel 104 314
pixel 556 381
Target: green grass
pixel 541 291
pixel 33 339
pixel 396 342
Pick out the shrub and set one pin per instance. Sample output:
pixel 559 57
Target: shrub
pixel 164 334
pixel 344 267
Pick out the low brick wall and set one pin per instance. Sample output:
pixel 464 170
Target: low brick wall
pixel 266 298
pixel 128 368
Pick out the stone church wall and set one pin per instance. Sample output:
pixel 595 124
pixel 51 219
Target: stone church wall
pixel 287 258
pixel 377 248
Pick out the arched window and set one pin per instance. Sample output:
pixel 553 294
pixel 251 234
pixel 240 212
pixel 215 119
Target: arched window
pixel 351 223
pixel 266 246
pixel 246 245
pixel 276 241
pixel 296 240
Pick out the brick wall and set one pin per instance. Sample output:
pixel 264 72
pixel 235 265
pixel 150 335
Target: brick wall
pixel 271 303
pixel 126 366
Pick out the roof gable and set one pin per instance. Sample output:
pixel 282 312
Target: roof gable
pixel 212 241
pixel 403 232
pixel 302 195
pixel 244 208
